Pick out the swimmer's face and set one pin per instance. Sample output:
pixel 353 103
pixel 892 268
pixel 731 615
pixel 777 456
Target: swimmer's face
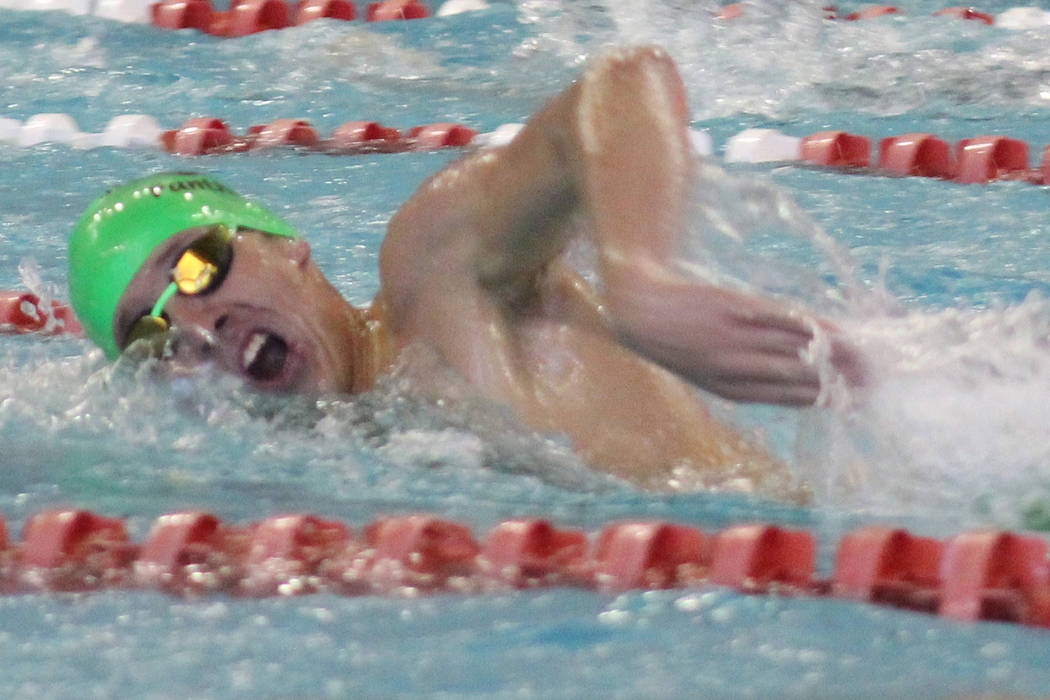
pixel 272 318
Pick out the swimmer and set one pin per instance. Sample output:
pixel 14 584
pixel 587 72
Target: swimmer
pixel 472 268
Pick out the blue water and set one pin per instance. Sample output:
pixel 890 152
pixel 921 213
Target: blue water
pixel 942 286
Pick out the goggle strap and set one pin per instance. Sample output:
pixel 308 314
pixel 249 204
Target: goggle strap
pixel 158 308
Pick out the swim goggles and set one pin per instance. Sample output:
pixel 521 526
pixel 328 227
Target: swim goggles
pixel 200 269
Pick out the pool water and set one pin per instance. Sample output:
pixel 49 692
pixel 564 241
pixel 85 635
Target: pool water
pixel 944 288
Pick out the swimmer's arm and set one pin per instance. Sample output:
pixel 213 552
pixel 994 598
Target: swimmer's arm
pixel 614 148
pixel 635 172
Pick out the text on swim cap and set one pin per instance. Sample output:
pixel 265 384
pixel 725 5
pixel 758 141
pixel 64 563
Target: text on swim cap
pixel 200 184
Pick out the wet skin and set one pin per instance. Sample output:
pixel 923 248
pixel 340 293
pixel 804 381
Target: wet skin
pixel 274 319
pixel 472 268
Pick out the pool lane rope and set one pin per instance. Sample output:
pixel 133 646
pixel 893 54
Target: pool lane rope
pixel 981 159
pixel 251 16
pixel 984 575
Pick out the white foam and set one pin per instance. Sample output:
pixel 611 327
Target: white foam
pixel 1023 18
pixel 456 7
pixel 953 419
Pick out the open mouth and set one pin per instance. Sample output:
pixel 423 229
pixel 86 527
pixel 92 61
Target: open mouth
pixel 264 356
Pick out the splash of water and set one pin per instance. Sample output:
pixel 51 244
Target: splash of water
pixel 951 417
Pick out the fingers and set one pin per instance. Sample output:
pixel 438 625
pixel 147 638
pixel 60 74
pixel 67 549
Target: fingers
pixel 766 367
pixel 775 329
pixel 847 360
pixel 775 394
pixel 780 376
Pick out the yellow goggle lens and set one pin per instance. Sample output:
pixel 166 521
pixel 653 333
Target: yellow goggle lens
pixel 193 273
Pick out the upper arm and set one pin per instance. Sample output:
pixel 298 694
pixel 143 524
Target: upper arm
pixel 495 218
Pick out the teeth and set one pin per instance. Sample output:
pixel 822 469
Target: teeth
pixel 252 349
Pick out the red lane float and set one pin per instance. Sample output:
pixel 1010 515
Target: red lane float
pixel 995 576
pixel 530 553
pixel 873 12
pixel 754 557
pixel 923 155
pixel 198 136
pixel 191 552
pixel 20 312
pixel 965 13
pixel 419 551
pixel 362 136
pixel 836 149
pixel 183 14
pixel 243 18
pixel 286 554
pixel 986 158
pixel 648 555
pixel 999 576
pixel 887 565
pixel 253 16
pixel 69 550
pixel 440 135
pixel 283 132
pixel 310 10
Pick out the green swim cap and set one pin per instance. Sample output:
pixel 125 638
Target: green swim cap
pixel 124 226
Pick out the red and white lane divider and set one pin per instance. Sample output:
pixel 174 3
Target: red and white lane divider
pixel 973 576
pixel 250 16
pixel 23 312
pixel 244 16
pixel 208 135
pixel 981 159
pixel 202 136
pixel 1019 18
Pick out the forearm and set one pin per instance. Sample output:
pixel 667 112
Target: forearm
pixel 635 169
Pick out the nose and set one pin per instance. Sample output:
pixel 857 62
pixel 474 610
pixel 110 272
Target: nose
pixel 300 254
pixel 193 345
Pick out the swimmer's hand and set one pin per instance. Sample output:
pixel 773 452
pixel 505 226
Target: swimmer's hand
pixel 738 346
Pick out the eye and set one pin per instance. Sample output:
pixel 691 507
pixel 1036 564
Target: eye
pixel 221 321
pixel 201 267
